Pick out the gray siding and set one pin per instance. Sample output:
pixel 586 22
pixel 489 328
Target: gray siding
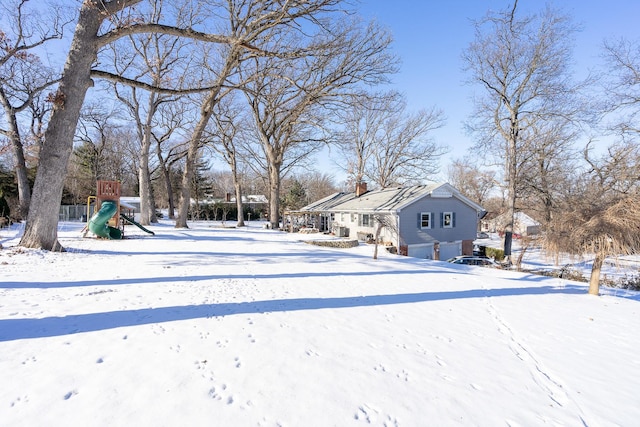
pixel 466 220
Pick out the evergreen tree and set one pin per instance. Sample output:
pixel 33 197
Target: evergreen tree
pixel 201 185
pixel 296 197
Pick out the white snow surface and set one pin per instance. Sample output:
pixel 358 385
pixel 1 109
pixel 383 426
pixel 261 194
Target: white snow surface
pixel 213 326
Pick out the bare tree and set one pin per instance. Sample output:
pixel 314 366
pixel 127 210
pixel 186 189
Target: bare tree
pixel 96 136
pixel 382 221
pixel 174 118
pixel 158 59
pixel 256 31
pixel 472 181
pixel 289 99
pixel 601 215
pixel 406 153
pixel 229 126
pixel 102 152
pixel 23 76
pixel 604 212
pixel 317 185
pixel 622 87
pixel 545 172
pixel 361 128
pixel 386 144
pixel 522 64
pixel 284 123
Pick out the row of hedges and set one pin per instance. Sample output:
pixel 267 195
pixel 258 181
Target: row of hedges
pixel 217 211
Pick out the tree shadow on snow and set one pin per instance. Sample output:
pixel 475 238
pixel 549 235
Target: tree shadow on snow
pixel 15 329
pixel 204 277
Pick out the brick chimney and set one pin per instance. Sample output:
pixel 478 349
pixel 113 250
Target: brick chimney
pixel 361 188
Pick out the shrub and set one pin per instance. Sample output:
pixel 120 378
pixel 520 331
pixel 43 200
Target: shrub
pixel 631 282
pixel 570 272
pixel 497 254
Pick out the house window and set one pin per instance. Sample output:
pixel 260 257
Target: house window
pixel 425 220
pixel 354 218
pixel 448 219
pixel 365 220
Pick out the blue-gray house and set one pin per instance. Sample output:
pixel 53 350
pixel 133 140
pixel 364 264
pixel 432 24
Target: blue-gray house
pixel 425 221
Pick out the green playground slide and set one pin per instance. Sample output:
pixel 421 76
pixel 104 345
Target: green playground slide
pixel 98 223
pixel 131 221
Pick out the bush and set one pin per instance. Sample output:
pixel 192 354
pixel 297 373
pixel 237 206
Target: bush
pixel 631 282
pixel 497 254
pixel 570 272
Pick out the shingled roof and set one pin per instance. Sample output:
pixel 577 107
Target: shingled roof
pixel 391 199
pixel 324 205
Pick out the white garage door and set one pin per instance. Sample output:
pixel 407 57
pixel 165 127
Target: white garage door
pixel 424 251
pixel 449 250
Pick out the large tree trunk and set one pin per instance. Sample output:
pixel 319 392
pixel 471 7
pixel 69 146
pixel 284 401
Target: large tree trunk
pixel 274 196
pixel 166 174
pixel 512 177
pixel 147 208
pixel 238 189
pixel 187 177
pixel 147 203
pixel 594 280
pixel 41 230
pixel 20 167
pixel 24 191
pixel 169 187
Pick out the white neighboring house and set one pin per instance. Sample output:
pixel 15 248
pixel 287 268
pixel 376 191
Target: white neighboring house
pixel 426 221
pixel 523 224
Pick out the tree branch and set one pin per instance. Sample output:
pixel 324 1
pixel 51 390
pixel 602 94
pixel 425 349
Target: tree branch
pixel 189 33
pixel 142 85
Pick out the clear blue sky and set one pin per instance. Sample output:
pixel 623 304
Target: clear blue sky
pixel 429 37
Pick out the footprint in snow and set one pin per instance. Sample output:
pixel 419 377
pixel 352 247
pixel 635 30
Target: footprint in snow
pixel 440 362
pixel 404 375
pixel 70 394
pixel 19 400
pixel 216 393
pixel 31 359
pixel 380 368
pixel 366 413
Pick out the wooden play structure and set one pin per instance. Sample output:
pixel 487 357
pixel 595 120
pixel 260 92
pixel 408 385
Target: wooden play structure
pixel 109 190
pixel 108 220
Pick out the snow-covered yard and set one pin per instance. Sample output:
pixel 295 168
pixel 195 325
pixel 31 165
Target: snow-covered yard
pixel 253 327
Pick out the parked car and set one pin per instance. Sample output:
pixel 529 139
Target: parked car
pixel 479 250
pixel 474 260
pixel 482 235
